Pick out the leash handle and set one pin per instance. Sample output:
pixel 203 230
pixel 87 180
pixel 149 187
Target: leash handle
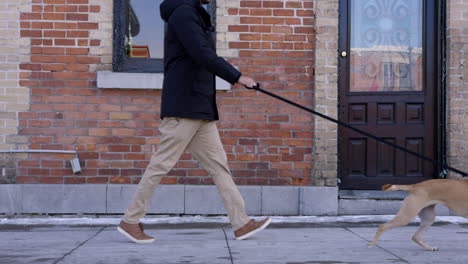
pixel 255 87
pixel 378 139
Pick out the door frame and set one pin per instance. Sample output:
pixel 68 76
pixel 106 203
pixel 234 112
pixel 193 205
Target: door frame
pixel 439 78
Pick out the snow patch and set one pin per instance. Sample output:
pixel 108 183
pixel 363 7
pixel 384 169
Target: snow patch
pixel 75 221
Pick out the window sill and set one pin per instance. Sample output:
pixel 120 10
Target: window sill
pixel 125 80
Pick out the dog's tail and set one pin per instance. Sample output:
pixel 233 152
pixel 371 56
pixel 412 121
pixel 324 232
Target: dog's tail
pixel 394 187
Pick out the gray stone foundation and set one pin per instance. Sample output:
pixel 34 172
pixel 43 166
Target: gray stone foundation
pixel 197 200
pixel 168 199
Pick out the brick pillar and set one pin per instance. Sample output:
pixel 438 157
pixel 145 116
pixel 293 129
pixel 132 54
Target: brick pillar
pixel 326 93
pixel 13 97
pixel 457 85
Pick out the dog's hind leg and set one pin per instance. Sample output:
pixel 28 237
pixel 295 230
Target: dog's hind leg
pixel 427 216
pixel 411 206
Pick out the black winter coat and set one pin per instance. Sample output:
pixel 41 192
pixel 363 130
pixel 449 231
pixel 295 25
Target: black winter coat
pixel 190 62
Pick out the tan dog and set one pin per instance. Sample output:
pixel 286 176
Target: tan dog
pixel 422 200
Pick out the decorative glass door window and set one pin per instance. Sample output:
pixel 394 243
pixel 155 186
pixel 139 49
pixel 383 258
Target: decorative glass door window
pixel 386 45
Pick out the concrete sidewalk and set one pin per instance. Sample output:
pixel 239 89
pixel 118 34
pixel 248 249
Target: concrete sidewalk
pixel 290 242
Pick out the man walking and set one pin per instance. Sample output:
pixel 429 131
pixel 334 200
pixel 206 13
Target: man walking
pixel 189 112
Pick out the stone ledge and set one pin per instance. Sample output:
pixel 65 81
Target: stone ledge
pixel 189 200
pixel 370 194
pixel 126 80
pixel 378 207
pixel 168 199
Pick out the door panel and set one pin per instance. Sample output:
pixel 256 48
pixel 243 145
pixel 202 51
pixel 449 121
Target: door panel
pixel 386 159
pixel 386 84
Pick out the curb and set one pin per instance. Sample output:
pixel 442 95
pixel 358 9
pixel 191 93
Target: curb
pixel 216 221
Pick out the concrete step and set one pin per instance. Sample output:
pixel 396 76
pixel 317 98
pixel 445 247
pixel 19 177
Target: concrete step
pixel 363 202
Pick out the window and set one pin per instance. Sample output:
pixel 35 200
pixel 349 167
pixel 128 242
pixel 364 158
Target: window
pixel 388 76
pixel 139 35
pixel 404 72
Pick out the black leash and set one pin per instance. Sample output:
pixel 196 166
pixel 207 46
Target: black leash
pixel 257 88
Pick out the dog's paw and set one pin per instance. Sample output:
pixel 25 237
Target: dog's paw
pixel 371 244
pixel 435 249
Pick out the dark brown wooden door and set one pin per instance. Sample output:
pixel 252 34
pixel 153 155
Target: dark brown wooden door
pixel 387 79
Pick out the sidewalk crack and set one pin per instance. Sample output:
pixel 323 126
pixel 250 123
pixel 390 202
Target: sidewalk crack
pixel 64 256
pixel 384 249
pixel 229 248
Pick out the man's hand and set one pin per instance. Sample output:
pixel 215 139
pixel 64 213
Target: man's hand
pixel 246 81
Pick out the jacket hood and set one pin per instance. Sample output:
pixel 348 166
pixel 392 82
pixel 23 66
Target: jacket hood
pixel 168 6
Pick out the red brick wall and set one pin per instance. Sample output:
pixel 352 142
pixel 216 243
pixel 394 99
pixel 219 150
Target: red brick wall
pixel 65 103
pixel 115 131
pixel 269 142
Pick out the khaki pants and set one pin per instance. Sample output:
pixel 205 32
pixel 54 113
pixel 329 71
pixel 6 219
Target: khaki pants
pixel 201 138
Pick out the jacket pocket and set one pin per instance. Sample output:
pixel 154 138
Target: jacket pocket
pixel 204 83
